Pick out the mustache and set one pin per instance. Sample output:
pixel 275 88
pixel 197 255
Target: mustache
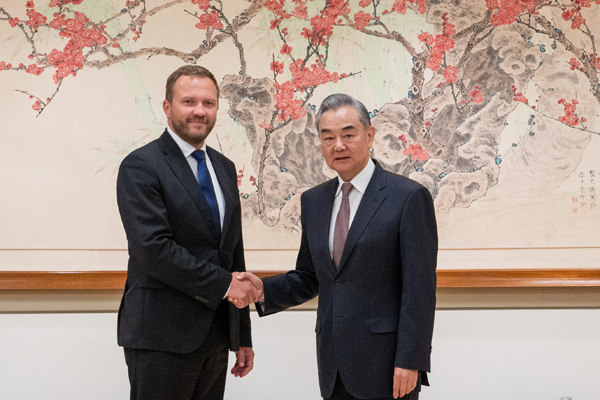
pixel 204 120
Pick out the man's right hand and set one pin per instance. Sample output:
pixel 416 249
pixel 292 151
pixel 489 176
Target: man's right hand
pixel 245 288
pixel 251 288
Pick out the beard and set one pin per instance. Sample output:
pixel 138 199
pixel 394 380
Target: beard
pixel 182 129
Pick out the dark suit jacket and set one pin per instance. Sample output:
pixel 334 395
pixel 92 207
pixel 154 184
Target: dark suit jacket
pixel 376 311
pixel 178 269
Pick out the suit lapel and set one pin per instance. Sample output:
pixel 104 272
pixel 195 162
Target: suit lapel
pixel 370 203
pixel 229 191
pixel 181 168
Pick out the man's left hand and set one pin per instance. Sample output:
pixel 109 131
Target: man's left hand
pixel 244 362
pixel 405 381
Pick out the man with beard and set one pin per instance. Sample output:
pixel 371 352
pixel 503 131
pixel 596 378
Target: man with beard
pixel 180 208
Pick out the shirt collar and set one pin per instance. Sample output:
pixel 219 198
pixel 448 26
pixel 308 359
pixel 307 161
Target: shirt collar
pixel 360 181
pixel 186 148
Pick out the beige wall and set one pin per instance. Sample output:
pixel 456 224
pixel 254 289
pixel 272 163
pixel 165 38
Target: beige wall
pixel 477 354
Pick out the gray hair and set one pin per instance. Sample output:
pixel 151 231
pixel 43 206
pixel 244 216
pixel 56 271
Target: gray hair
pixel 338 100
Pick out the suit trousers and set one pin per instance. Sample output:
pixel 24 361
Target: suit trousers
pixel 199 375
pixel 340 392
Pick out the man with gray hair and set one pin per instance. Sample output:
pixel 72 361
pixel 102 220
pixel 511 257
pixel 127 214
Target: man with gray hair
pixel 369 250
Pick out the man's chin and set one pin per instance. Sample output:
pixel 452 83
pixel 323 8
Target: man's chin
pixel 192 137
pixel 342 164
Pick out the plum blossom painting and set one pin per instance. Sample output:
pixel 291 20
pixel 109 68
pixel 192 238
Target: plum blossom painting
pixel 493 105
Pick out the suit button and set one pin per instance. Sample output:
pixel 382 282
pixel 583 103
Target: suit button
pixel 338 283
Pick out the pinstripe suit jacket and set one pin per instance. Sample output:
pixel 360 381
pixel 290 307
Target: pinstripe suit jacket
pixel 376 311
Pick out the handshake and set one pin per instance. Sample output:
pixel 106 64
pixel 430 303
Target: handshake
pixel 245 288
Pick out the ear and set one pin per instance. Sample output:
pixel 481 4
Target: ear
pixel 167 108
pixel 370 135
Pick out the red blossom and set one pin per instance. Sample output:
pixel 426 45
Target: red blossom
pixel 276 6
pixel 402 138
pixel 29 4
pixel 450 74
pixel 274 24
pixel 2 65
pixel 416 152
pixel 426 38
pixel 449 29
pixel 277 67
pixel 506 11
pixel 289 106
pixel 491 4
pixel 594 62
pixel 321 24
pixel 34 69
pixel 300 12
pixel 13 22
pixel 315 75
pixel 303 78
pixel 203 4
pixel 577 21
pixel 210 20
pixel 265 125
pixel 521 98
pixel 428 123
pixel 569 108
pixel 399 6
pixel 285 49
pixel 70 59
pixel 35 19
pixel 37 106
pixel 361 20
pixel 476 95
pixel 574 63
pixel 567 15
pixel 364 3
pixel 442 44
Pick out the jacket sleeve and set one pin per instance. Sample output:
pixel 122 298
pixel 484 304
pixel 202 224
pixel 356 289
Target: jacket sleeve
pixel 149 234
pixel 418 251
pixel 294 287
pixel 239 265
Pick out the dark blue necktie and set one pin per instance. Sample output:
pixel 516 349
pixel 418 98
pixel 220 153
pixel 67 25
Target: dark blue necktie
pixel 207 187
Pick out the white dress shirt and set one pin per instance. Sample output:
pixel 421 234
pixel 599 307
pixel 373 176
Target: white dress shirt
pixel 360 183
pixel 187 150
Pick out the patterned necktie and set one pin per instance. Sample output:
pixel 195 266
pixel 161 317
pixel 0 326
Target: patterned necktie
pixel 207 187
pixel 342 224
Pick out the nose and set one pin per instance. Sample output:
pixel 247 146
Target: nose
pixel 199 110
pixel 339 145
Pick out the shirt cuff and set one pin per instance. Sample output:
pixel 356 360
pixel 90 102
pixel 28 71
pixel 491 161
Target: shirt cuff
pixel 226 293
